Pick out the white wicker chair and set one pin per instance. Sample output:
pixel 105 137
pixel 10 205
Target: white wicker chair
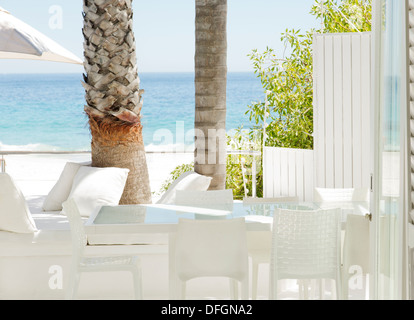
pixel 212 248
pixel 82 263
pixel 259 243
pixel 306 245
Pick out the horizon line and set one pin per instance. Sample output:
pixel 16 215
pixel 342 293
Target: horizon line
pixel 37 73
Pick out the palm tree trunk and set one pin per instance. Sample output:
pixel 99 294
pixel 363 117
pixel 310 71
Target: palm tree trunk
pixel 122 147
pixel 210 91
pixel 113 96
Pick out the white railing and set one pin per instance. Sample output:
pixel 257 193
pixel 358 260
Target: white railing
pixel 16 153
pixel 252 153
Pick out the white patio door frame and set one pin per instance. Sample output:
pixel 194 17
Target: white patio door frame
pixel 395 286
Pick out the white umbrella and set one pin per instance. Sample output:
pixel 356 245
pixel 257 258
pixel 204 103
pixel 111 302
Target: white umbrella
pixel 18 40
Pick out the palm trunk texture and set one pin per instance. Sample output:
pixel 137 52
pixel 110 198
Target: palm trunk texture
pixel 113 97
pixel 211 86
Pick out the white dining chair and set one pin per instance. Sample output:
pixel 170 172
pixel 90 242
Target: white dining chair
pixel 356 259
pixel 305 245
pixel 341 195
pixel 259 243
pixel 215 204
pixel 212 248
pixel 84 263
pixel 354 249
pixel 204 198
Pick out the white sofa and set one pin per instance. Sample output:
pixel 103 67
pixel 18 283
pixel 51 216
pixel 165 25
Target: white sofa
pixel 37 265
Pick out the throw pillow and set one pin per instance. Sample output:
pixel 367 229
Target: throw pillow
pixel 15 215
pixel 61 190
pixel 95 187
pixel 187 181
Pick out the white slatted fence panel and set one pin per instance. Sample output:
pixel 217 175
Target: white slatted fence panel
pixel 329 114
pixel 342 90
pixel 338 121
pixel 347 111
pixel 319 113
pixel 366 107
pixel 356 111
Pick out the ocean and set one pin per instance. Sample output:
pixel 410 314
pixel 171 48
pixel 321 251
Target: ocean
pixel 43 112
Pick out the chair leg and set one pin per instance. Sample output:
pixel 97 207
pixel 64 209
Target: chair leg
pixel 245 289
pixel 255 275
pixel 345 287
pixel 234 289
pixel 184 290
pixel 338 286
pixel 313 284
pixel 366 288
pixel 172 276
pixel 137 276
pixel 273 288
pixel 304 289
pixel 73 285
pixel 181 289
pixel 322 289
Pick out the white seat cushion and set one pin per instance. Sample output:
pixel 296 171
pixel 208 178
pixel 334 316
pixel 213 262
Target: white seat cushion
pixel 14 213
pixel 94 187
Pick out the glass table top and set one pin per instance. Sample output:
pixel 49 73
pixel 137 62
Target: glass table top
pixel 169 214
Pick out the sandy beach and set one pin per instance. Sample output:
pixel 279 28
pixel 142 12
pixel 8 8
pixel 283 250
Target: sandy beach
pixel 37 174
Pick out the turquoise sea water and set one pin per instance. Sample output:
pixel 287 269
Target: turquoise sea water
pixel 45 111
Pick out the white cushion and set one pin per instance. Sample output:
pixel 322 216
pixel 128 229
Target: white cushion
pixel 95 187
pixel 187 181
pixel 61 190
pixel 14 213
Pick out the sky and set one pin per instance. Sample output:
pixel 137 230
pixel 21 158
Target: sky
pixel 164 31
